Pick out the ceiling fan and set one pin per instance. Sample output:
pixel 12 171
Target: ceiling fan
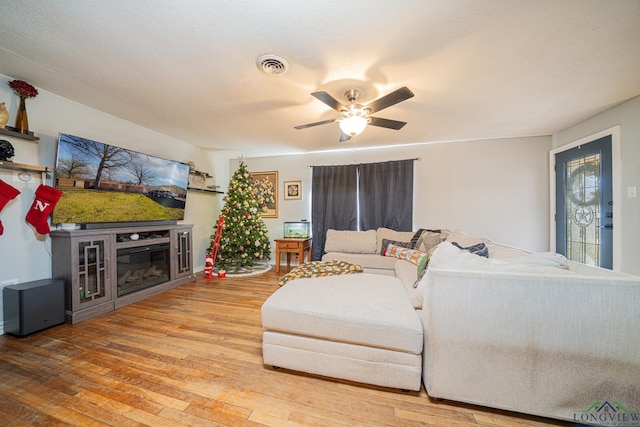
pixel 354 118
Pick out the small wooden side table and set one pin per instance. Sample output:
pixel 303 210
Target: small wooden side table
pixel 291 245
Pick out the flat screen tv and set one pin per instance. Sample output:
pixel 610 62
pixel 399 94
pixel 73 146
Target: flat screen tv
pixel 104 185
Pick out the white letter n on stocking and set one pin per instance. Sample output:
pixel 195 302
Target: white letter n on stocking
pixel 40 205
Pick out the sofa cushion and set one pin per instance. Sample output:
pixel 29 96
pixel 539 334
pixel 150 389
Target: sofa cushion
pixel 505 252
pixel 406 273
pixel 448 256
pixel 365 309
pixel 355 242
pixel 464 239
pixel 386 233
pixel 368 261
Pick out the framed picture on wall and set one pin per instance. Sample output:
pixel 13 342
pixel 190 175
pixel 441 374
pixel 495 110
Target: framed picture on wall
pixel 265 186
pixel 293 190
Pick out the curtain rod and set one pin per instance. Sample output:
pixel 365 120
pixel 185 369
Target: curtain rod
pixel 416 159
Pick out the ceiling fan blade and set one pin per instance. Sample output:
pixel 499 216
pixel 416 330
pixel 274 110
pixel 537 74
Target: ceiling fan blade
pixel 308 125
pixel 393 98
pixel 329 100
pixel 344 137
pixel 386 123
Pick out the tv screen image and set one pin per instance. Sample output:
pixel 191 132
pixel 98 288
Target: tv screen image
pixel 103 183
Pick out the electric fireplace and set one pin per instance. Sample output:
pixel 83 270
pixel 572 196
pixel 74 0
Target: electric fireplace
pixel 142 267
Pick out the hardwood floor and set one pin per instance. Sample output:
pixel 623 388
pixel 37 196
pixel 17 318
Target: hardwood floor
pixel 192 356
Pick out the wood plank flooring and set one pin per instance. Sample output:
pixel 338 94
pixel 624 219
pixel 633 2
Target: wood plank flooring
pixel 192 357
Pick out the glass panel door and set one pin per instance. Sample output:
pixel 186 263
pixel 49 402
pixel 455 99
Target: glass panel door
pixel 584 212
pixel 92 271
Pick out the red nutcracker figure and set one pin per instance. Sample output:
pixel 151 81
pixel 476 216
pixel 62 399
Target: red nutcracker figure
pixel 208 266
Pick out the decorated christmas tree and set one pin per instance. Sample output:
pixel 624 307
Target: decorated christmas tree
pixel 244 242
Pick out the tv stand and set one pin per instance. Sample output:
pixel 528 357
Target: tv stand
pixel 105 269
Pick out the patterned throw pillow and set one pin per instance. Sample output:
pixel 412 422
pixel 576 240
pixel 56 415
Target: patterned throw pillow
pixel 422 269
pixel 419 258
pixel 385 245
pixel 407 254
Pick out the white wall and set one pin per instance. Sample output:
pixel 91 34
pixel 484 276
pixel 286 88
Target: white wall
pixel 627 116
pixel 25 256
pixel 492 188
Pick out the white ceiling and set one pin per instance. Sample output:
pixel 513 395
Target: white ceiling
pixel 478 68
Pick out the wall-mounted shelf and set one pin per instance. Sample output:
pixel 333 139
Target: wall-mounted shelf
pixel 198 182
pixel 10 131
pixel 22 167
pixel 204 190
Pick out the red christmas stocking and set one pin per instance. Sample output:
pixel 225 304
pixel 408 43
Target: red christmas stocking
pixel 7 193
pixel 45 200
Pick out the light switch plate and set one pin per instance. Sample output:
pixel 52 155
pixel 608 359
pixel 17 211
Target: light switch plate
pixel 632 192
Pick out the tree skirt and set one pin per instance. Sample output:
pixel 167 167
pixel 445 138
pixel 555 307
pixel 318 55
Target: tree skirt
pixel 248 270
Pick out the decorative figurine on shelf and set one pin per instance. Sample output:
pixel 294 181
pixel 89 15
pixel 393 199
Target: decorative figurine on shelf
pixel 208 266
pixel 6 150
pixel 4 116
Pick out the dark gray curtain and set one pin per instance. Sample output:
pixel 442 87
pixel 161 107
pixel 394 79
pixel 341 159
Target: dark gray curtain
pixel 333 203
pixel 386 195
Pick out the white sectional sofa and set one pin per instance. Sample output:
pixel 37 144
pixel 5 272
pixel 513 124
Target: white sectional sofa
pixel 520 335
pixel 527 332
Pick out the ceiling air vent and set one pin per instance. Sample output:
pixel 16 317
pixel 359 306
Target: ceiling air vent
pixel 272 65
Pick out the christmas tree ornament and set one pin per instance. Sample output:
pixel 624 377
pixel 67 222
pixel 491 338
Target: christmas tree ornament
pixel 45 201
pixel 7 193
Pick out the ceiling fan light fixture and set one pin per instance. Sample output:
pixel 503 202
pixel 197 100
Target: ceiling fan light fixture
pixel 353 125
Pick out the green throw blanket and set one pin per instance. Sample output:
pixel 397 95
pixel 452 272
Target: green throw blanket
pixel 320 269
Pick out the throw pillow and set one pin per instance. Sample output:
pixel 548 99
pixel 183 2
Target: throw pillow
pixel 387 233
pixel 407 254
pixel 428 240
pixel 422 267
pixel 418 233
pixel 385 244
pixel 479 249
pixel 424 239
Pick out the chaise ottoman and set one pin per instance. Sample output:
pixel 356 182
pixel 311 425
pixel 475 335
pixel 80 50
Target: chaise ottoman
pixel 358 327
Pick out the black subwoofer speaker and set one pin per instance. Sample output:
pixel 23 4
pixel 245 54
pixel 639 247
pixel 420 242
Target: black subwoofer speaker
pixel 33 306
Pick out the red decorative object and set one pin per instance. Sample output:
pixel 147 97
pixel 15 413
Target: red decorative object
pixel 222 274
pixel 23 89
pixel 7 193
pixel 208 267
pixel 44 203
pixel 216 240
